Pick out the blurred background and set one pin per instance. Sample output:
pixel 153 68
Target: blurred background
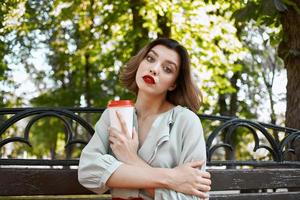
pixel 68 53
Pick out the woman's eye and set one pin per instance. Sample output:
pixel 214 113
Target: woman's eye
pixel 149 58
pixel 167 69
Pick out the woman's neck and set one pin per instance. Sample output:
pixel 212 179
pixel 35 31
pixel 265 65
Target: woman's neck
pixel 147 105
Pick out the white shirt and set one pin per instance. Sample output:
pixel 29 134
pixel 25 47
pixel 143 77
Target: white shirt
pixel 175 137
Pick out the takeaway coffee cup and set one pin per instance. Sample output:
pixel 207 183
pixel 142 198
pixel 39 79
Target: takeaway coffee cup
pixel 125 109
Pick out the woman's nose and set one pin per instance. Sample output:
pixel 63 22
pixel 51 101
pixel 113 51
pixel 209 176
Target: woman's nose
pixel 154 69
pixel 153 72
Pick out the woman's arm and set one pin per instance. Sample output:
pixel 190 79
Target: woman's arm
pixel 185 178
pixel 182 179
pixel 190 135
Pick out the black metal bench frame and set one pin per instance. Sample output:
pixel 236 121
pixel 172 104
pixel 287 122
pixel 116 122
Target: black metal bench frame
pixel 18 177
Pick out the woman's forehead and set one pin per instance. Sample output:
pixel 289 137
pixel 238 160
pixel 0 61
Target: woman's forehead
pixel 166 53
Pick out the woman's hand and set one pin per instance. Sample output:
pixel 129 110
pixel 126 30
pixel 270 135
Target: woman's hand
pixel 188 179
pixel 123 146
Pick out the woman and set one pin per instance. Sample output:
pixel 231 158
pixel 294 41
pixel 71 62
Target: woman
pixel 163 157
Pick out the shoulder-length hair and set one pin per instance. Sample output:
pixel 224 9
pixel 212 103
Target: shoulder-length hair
pixel 185 94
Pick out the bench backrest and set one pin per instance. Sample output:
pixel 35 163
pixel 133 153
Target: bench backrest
pixel 17 180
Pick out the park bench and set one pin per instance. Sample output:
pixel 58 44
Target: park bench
pixel 228 183
pixel 276 179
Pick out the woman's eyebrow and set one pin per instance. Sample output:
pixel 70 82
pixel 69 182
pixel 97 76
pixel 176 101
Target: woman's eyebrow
pixel 168 61
pixel 172 63
pixel 153 52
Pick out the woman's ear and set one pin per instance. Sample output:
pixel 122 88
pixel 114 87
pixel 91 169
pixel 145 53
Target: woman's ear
pixel 172 87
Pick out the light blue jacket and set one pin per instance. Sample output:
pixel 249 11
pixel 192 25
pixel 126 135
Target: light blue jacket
pixel 176 137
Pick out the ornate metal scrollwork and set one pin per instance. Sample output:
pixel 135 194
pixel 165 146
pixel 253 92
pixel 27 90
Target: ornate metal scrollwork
pixel 61 113
pixel 227 128
pixel 277 149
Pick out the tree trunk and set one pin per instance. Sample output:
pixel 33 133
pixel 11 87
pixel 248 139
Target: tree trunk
pixel 269 70
pixel 230 109
pixel 137 22
pixel 52 152
pixel 88 66
pixel 229 155
pixel 87 69
pixel 233 96
pixel 289 51
pixel 223 108
pixel 164 26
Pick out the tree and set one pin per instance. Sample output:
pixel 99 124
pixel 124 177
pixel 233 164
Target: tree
pixel 283 13
pixel 87 41
pixel 289 51
pixel 7 84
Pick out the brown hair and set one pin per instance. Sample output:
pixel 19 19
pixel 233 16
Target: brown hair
pixel 185 94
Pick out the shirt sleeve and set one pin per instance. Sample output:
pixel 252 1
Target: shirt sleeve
pixel 95 164
pixel 192 147
pixel 193 142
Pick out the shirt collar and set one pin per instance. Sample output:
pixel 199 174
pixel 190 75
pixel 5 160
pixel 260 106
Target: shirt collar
pixel 158 134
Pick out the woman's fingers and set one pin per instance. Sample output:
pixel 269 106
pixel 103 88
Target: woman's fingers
pixel 205 174
pixel 196 164
pixel 135 135
pixel 112 140
pixel 123 124
pixel 123 147
pixel 115 136
pixel 113 132
pixel 206 181
pixel 203 188
pixel 203 180
pixel 200 194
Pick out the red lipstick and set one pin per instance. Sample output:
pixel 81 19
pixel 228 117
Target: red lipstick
pixel 149 79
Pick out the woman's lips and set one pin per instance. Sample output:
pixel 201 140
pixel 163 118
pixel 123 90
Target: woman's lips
pixel 149 79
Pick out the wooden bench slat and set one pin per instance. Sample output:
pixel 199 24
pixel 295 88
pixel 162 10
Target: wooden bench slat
pixel 58 197
pixel 258 196
pixel 255 196
pixel 36 181
pixel 25 181
pixel 233 179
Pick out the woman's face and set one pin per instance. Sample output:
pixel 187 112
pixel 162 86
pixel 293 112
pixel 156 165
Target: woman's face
pixel 158 71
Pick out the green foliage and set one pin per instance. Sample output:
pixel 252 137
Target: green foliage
pixel 263 11
pixel 6 96
pixel 44 137
pixel 86 42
